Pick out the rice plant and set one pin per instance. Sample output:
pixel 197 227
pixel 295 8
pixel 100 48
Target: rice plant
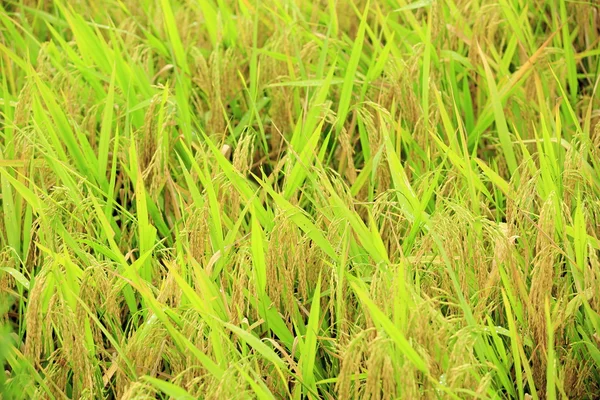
pixel 290 199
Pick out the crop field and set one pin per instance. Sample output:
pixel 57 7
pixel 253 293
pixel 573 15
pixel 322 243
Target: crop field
pixel 294 199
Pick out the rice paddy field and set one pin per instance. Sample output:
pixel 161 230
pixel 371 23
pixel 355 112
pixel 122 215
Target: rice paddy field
pixel 291 199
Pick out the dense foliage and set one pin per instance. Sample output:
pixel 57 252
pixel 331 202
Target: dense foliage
pixel 231 199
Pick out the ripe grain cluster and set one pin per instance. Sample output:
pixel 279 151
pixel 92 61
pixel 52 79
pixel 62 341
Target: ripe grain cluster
pixel 300 199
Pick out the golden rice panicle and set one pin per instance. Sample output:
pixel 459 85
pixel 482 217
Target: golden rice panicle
pixel 352 355
pixel 347 167
pixel 242 162
pixel 285 256
pixel 460 357
pixel 170 292
pixel 139 391
pixel 35 321
pixel 76 351
pixel 56 373
pixel 241 274
pixel 144 350
pixel 382 369
pixel 503 258
pixel 198 232
pixel 542 283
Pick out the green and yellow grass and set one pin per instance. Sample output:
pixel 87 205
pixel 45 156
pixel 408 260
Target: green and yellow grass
pixel 234 199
